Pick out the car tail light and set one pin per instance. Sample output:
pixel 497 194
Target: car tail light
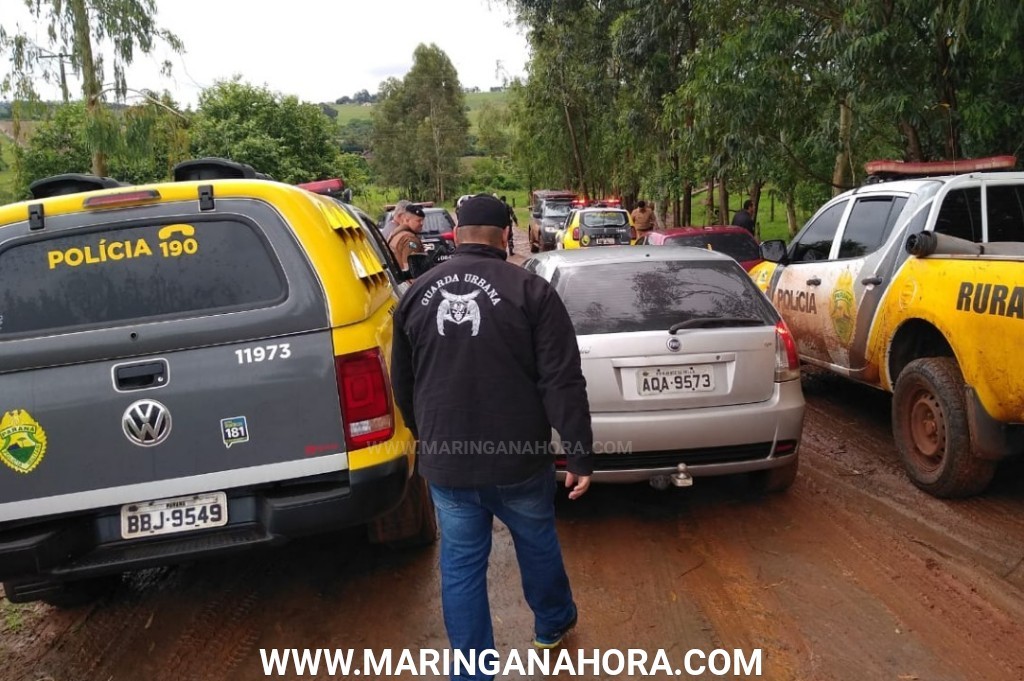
pixel 575 233
pixel 787 361
pixel 448 236
pixel 365 394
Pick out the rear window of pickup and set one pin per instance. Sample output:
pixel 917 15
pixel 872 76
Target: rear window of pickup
pixel 104 277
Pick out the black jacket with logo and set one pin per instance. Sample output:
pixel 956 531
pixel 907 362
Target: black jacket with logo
pixel 484 363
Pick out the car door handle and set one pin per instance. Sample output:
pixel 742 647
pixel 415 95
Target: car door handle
pixel 814 281
pixel 872 281
pixel 140 376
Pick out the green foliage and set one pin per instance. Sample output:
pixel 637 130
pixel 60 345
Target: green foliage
pixel 494 133
pixel 355 171
pixel 75 30
pixel 291 140
pixel 356 136
pixel 420 127
pixel 357 114
pixel 796 96
pixel 145 142
pixel 490 175
pixel 8 178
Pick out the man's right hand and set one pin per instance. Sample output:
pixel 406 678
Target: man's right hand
pixel 579 484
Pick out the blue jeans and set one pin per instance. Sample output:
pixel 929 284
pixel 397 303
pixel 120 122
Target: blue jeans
pixel 465 517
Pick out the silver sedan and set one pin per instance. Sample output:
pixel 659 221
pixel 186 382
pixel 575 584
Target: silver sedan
pixel 690 370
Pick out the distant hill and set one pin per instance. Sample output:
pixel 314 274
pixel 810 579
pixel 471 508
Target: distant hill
pixel 474 100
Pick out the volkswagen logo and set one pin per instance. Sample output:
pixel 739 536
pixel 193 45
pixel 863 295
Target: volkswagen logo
pixel 674 344
pixel 146 423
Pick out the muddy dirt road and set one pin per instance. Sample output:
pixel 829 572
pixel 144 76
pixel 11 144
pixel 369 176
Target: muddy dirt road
pixel 852 575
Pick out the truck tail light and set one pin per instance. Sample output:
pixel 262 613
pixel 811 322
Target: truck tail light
pixel 365 391
pixel 787 361
pixel 122 199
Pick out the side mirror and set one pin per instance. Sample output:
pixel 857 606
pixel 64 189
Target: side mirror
pixel 773 250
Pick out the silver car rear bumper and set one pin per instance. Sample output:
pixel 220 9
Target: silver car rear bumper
pixel 692 432
pixel 696 470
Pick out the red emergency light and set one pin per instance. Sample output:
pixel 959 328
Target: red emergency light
pixel 328 187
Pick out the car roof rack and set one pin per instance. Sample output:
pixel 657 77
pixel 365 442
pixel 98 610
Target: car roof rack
pixel 212 168
pixel 886 171
pixel 71 183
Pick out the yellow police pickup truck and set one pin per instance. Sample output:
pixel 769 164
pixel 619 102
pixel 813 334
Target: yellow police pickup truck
pixel 191 369
pixel 916 287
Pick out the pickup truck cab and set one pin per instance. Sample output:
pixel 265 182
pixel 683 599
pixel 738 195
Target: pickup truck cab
pixel 934 319
pixel 189 369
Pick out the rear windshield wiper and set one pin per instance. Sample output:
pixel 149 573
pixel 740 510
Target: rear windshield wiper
pixel 704 322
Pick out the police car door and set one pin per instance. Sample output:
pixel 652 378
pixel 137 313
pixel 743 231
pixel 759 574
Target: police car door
pixel 855 278
pixel 797 288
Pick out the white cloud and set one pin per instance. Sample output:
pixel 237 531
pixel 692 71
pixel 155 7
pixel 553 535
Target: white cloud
pixel 320 49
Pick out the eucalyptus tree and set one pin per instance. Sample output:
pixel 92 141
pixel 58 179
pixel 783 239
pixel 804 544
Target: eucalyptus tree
pixel 420 126
pixel 79 30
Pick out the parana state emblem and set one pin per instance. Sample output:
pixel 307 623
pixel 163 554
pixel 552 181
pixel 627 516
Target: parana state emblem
pixel 22 441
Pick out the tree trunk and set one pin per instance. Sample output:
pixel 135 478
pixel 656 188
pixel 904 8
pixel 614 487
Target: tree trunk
pixel 755 196
pixel 709 201
pixel 90 82
pixel 841 179
pixel 948 96
pixel 575 149
pixel 677 206
pixel 661 210
pixel 913 138
pixel 791 215
pixel 723 201
pixel 687 204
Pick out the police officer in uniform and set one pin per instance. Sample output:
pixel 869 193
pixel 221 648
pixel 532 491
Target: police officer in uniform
pixel 405 242
pixel 484 364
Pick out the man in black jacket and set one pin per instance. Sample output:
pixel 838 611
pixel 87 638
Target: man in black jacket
pixel 745 217
pixel 484 364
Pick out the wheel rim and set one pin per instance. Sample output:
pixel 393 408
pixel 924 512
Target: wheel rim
pixel 927 430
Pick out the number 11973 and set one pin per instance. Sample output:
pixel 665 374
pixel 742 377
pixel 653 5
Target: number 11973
pixel 264 353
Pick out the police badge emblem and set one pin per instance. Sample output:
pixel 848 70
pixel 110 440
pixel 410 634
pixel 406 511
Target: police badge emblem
pixel 22 441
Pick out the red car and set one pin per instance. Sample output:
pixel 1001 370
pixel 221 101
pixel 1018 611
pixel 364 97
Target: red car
pixel 733 241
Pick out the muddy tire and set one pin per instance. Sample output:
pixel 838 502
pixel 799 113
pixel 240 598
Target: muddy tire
pixel 929 423
pixel 774 480
pixel 412 523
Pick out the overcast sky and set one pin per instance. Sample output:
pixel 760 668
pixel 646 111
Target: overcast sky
pixel 317 49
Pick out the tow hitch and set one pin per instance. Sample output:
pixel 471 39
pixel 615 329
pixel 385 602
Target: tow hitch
pixel 681 478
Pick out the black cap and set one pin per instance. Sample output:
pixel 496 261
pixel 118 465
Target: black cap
pixel 415 209
pixel 483 209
